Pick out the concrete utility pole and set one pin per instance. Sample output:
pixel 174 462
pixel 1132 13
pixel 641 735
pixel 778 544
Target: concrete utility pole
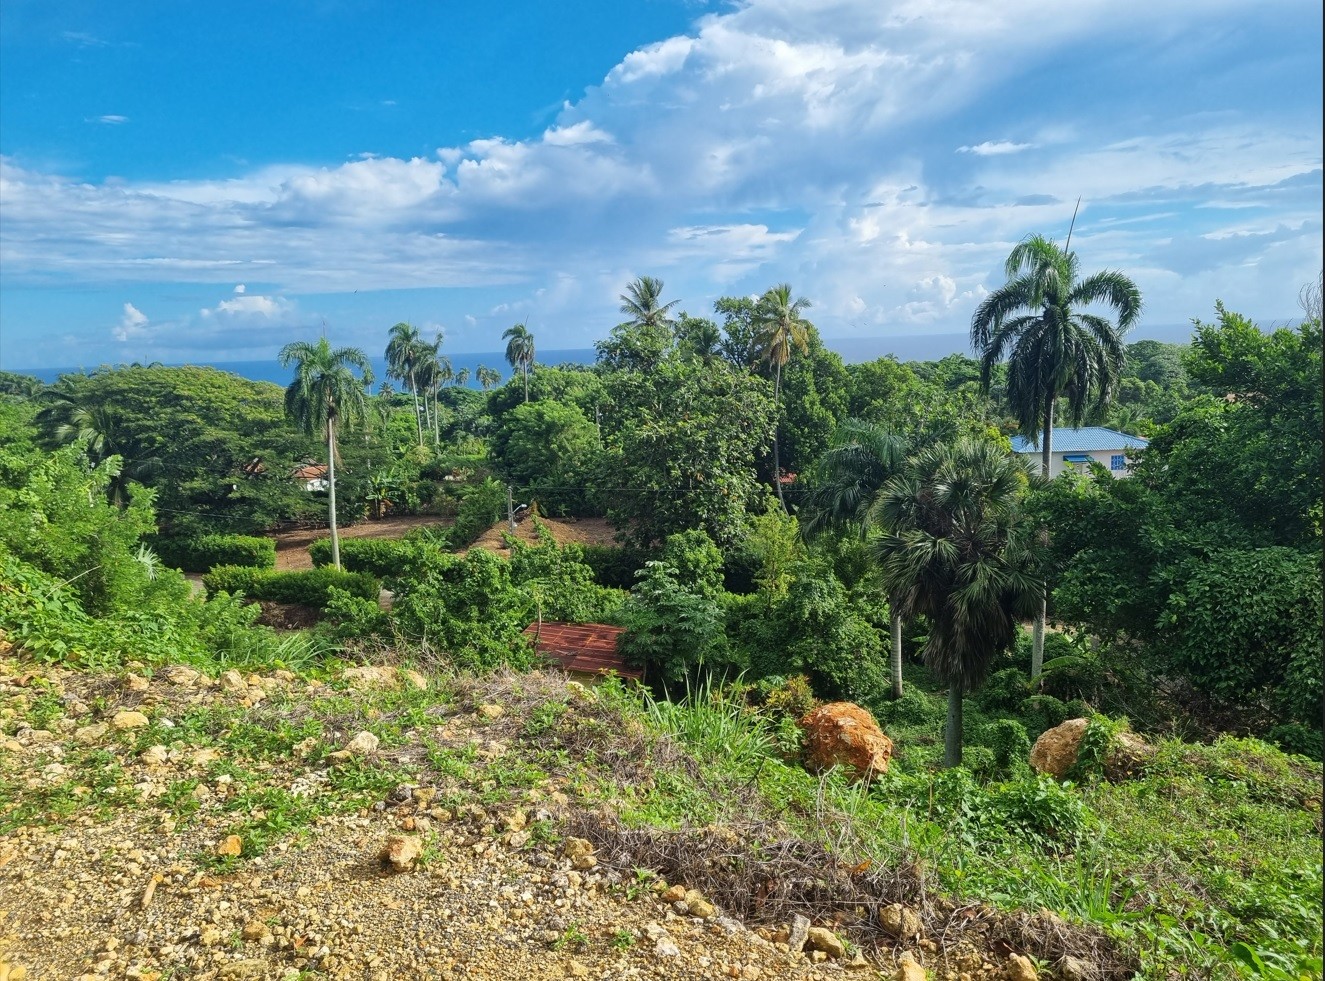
pixel 510 508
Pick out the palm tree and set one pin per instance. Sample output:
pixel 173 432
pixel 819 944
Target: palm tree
pixel 1055 349
pixel 434 371
pixel 461 378
pixel 781 331
pixel 959 554
pixel 844 484
pixel 487 377
pixel 520 351
pixel 642 304
pixel 402 354
pixel 72 417
pixel 324 395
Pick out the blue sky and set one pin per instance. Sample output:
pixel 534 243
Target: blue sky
pixel 209 181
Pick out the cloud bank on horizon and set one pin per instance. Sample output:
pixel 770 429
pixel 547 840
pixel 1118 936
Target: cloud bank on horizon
pixel 882 158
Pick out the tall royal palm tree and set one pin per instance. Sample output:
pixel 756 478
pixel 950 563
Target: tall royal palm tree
pixel 461 378
pixel 434 371
pixel 781 333
pixel 487 377
pixel 959 553
pixel 325 396
pixel 1057 350
pixel 844 484
pixel 520 351
pixel 402 363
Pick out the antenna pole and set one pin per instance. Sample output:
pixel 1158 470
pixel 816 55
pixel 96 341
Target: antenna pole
pixel 1068 244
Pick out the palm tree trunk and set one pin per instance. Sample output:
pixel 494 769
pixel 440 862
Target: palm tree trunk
pixel 777 467
pixel 414 390
pixel 1037 631
pixel 524 370
pixel 952 734
pixel 331 492
pixel 436 418
pixel 896 659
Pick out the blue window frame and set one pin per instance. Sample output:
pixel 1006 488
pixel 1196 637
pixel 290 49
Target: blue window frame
pixel 1117 461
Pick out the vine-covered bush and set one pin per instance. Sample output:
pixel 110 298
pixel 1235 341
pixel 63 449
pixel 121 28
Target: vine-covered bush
pixel 480 509
pixel 204 552
pixel 309 587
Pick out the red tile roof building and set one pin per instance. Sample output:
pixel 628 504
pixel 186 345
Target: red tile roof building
pixel 582 648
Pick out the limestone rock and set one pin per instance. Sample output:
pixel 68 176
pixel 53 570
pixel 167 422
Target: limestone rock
pixel 1071 968
pixel 821 938
pixel 490 710
pixel 400 853
pixel 844 734
pixel 800 931
pixel 674 894
pixel 580 853
pixel 231 846
pixel 233 681
pixel 1055 752
pixel 90 735
pixel 371 676
pixel 362 744
pixel 123 721
pixel 1019 968
pixel 156 755
pixel 908 969
pixel 900 921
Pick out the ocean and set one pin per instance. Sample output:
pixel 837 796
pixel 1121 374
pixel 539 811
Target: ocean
pixel 907 347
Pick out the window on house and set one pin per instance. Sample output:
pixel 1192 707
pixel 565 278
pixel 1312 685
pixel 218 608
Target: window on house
pixel 1117 462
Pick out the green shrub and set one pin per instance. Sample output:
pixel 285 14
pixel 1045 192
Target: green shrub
pixel 204 552
pixel 1004 691
pixel 385 558
pixel 1040 809
pixel 1294 737
pixel 1010 744
pixel 309 587
pixel 613 566
pixel 480 509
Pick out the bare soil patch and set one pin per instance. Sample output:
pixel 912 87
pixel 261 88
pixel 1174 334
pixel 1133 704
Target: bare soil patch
pixel 578 531
pixel 292 546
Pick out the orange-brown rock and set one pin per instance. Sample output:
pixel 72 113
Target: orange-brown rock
pixel 1055 752
pixel 846 735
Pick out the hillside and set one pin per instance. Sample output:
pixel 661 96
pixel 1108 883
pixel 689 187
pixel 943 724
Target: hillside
pixel 183 826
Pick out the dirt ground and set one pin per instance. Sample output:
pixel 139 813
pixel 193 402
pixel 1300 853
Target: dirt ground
pixel 579 531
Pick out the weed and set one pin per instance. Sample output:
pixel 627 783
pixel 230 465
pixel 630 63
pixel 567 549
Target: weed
pixel 572 938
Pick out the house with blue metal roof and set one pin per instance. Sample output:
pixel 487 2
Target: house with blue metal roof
pixel 1077 448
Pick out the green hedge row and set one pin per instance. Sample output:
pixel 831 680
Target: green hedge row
pixel 306 586
pixel 384 558
pixel 204 552
pixel 613 566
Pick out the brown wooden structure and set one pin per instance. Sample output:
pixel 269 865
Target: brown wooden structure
pixel 582 648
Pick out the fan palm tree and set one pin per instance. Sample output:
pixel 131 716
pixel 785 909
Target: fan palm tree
pixel 781 332
pixel 487 377
pixel 844 484
pixel 520 351
pixel 959 554
pixel 402 361
pixel 324 396
pixel 1055 349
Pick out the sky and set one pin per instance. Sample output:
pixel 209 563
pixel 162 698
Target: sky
pixel 194 182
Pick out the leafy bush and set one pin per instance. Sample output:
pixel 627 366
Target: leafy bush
pixel 1005 690
pixel 1010 745
pixel 384 558
pixel 1294 737
pixel 613 566
pixel 1040 809
pixel 480 509
pixel 468 608
pixel 204 552
pixel 561 586
pixel 671 629
pixel 309 587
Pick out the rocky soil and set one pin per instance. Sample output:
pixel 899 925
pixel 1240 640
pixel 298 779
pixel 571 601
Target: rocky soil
pixel 379 825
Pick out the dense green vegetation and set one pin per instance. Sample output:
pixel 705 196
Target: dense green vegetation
pixel 789 528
